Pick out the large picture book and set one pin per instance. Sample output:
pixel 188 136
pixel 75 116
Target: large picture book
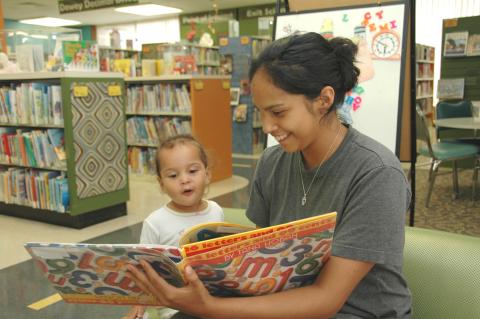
pixel 231 260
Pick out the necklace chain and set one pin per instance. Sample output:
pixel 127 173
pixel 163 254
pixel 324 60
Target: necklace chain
pixel 305 193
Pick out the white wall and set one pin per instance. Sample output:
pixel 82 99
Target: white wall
pixel 165 30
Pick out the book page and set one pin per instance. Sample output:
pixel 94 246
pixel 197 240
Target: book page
pixel 206 231
pixel 196 248
pixel 88 273
pixel 267 262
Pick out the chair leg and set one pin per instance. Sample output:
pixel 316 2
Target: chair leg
pixel 455 180
pixel 433 175
pixel 432 163
pixel 476 167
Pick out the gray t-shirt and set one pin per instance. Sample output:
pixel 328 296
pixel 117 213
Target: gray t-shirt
pixel 365 184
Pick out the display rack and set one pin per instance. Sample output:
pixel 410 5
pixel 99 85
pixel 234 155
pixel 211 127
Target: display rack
pixel 237 53
pixel 161 106
pixel 180 58
pixel 126 61
pixel 88 182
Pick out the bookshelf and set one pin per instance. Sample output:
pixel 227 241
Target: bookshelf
pixel 179 58
pixel 160 106
pixel 63 150
pixel 424 67
pixel 237 53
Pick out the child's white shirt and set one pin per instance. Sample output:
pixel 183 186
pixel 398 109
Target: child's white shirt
pixel 165 226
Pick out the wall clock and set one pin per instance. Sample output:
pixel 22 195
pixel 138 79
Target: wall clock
pixel 386 45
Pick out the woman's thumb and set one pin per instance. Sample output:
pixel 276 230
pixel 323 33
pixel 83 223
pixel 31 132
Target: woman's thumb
pixel 191 276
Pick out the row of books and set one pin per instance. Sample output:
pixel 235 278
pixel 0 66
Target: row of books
pixel 424 89
pixel 424 70
pixel 37 189
pixel 424 53
pixel 160 97
pixel 31 103
pixel 141 160
pixel 118 60
pixel 183 58
pixel 151 130
pixel 33 148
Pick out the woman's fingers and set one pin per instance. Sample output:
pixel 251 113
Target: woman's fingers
pixel 192 278
pixel 140 311
pixel 157 285
pixel 139 277
pixel 134 313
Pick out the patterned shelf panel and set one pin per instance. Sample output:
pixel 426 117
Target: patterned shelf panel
pixel 99 141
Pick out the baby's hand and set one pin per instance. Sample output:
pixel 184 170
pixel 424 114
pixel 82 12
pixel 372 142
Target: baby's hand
pixel 136 312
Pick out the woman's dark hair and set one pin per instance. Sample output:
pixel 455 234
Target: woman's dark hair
pixel 181 139
pixel 306 63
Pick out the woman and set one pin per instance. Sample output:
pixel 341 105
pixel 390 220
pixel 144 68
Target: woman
pixel 320 166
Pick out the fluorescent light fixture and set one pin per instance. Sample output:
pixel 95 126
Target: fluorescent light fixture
pixel 148 10
pixel 39 36
pixel 50 22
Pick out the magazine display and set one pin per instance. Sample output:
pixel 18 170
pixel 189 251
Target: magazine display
pixel 231 260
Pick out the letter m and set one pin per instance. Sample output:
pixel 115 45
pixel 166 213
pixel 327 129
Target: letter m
pixel 255 265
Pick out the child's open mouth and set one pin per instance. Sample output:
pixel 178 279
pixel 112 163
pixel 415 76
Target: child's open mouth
pixel 187 192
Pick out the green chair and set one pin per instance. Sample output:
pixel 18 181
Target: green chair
pixel 442 152
pixel 451 110
pixel 443 273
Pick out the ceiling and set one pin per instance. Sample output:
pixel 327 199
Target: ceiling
pixel 27 9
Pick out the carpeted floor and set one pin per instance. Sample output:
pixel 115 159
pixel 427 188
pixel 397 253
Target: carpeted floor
pixel 460 215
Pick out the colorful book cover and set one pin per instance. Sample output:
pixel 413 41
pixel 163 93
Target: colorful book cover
pixel 57 139
pixel 254 262
pixel 80 55
pixel 124 66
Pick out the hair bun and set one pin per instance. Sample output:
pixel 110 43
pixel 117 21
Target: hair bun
pixel 345 51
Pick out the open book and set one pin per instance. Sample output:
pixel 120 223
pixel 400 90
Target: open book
pixel 231 260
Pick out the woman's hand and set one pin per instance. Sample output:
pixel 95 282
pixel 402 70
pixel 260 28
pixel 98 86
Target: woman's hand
pixel 192 298
pixel 135 312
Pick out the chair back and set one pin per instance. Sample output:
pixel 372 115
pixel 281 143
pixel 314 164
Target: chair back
pixel 449 110
pixel 422 130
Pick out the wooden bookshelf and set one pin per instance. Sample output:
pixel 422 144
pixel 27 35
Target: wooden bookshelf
pixel 209 118
pixel 92 105
pixel 424 69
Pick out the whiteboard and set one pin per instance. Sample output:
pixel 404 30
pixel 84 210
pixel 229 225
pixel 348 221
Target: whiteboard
pixel 375 105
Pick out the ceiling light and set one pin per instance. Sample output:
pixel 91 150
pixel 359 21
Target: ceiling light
pixel 148 10
pixel 39 36
pixel 50 22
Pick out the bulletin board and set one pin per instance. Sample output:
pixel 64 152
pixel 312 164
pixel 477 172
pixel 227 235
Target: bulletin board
pixel 376 103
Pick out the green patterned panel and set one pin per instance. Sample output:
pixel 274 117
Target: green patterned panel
pixel 99 141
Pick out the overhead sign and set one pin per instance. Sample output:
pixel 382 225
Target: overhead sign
pixel 258 11
pixel 205 17
pixel 69 6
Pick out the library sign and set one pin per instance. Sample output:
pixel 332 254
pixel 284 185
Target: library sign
pixel 69 6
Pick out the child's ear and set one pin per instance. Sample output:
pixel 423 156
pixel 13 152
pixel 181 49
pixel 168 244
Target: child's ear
pixel 208 174
pixel 324 100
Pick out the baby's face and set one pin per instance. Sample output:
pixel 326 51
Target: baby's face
pixel 183 176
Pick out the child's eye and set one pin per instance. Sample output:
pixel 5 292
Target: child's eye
pixel 172 175
pixel 277 113
pixel 193 171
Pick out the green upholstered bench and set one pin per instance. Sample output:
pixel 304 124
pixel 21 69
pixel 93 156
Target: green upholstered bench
pixel 442 270
pixel 443 273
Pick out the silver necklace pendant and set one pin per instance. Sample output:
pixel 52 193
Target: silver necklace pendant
pixel 304 199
